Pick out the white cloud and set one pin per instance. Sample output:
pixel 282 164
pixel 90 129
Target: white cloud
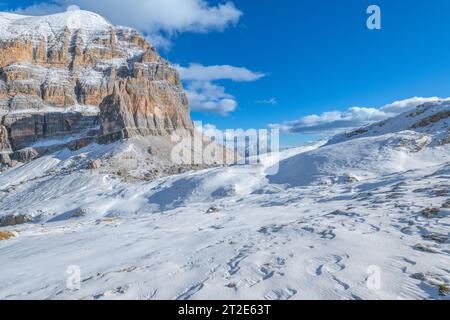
pixel 73 7
pixel 206 96
pixel 199 72
pixel 248 141
pixel 407 104
pixel 155 18
pixel 211 131
pixel 271 101
pixel 335 121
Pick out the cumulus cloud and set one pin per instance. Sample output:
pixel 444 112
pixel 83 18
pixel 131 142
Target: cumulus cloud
pixel 335 121
pixel 207 96
pixel 199 72
pixel 155 18
pixel 407 104
pixel 211 131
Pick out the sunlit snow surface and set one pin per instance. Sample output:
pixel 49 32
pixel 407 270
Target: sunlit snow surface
pixel 316 229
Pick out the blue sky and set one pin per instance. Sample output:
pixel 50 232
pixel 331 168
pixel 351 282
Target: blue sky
pixel 316 55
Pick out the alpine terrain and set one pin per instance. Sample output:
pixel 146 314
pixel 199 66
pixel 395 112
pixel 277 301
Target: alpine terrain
pixel 88 188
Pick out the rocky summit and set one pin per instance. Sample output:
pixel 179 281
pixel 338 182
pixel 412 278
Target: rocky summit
pixel 73 78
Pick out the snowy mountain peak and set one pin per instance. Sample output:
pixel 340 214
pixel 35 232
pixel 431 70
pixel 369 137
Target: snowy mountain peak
pixel 13 25
pixel 58 72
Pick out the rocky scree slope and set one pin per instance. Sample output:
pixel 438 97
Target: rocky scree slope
pixel 72 78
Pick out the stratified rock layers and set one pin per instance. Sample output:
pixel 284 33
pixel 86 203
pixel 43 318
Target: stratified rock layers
pixel 59 72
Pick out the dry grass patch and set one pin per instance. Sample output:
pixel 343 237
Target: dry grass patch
pixel 5 235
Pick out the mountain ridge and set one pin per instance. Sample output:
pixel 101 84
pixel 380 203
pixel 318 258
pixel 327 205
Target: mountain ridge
pixel 57 70
pixel 431 117
pixel 408 141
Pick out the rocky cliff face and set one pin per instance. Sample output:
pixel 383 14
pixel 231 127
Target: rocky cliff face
pixel 74 76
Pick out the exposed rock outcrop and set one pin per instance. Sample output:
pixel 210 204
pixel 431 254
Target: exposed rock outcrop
pixel 25 129
pixel 5 146
pixel 25 155
pixel 59 72
pixel 12 220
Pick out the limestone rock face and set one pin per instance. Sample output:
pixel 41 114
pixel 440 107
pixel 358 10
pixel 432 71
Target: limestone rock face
pixel 59 72
pixel 116 121
pixel 127 113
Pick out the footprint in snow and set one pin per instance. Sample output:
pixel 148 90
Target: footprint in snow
pixel 341 283
pixel 328 264
pixel 111 293
pixel 328 234
pixel 280 294
pixel 189 292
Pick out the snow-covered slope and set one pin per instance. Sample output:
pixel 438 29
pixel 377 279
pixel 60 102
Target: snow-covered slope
pixel 409 141
pixel 431 119
pixel 360 159
pixel 317 229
